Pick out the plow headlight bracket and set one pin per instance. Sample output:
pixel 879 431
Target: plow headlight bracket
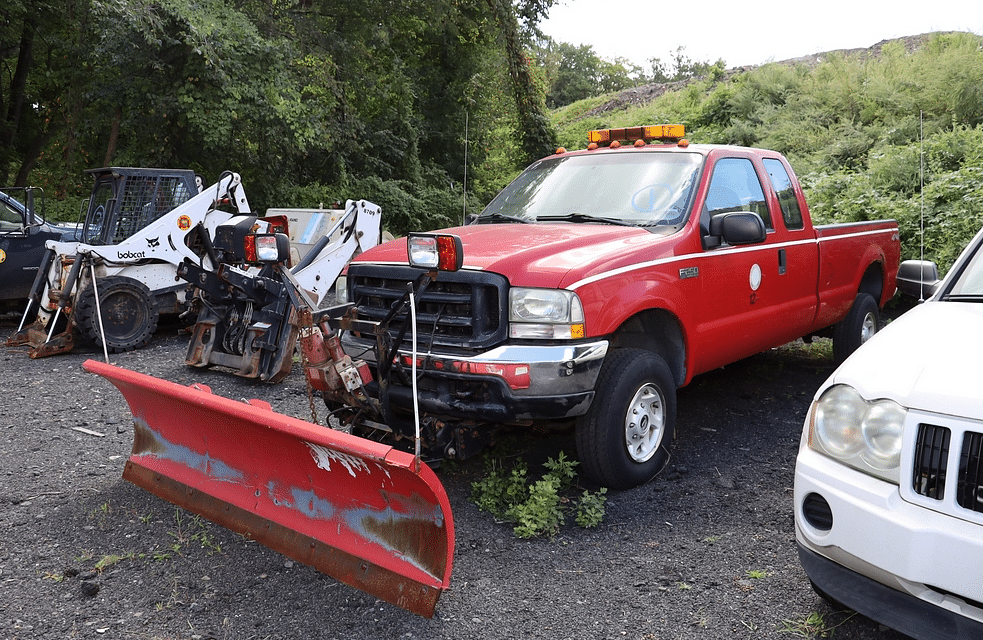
pixel 444 252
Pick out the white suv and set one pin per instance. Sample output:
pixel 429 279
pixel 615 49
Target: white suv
pixel 889 474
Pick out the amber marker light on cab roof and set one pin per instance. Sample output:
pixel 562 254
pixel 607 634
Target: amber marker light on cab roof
pixel 633 135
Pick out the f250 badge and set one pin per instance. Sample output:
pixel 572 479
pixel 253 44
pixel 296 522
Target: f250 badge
pixel 689 272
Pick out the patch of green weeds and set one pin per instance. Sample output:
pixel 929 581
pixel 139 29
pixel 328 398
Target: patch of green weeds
pixel 193 529
pixel 102 515
pixel 113 559
pixel 812 626
pixel 757 574
pixel 537 507
pixel 85 555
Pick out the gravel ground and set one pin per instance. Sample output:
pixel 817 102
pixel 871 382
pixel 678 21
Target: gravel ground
pixel 706 550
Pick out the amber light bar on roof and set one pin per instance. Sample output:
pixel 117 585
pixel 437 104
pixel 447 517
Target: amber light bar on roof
pixel 667 132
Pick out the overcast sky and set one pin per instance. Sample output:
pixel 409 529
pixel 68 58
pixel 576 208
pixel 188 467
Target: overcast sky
pixel 749 33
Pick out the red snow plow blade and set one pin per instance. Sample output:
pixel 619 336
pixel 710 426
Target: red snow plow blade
pixel 361 512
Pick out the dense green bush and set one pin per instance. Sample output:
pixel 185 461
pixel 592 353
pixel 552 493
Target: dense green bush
pixel 537 507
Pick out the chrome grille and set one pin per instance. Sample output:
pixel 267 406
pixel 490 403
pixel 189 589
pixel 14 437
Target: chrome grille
pixel 464 309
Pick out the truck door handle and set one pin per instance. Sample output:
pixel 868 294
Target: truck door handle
pixel 782 262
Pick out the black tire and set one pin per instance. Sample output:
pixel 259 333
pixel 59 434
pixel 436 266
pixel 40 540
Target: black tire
pixel 615 449
pixel 129 313
pixel 860 324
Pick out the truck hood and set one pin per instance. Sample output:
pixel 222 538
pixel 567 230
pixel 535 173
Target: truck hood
pixel 927 359
pixel 542 255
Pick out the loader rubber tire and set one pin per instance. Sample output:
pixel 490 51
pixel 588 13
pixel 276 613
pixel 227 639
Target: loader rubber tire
pixel 624 438
pixel 129 313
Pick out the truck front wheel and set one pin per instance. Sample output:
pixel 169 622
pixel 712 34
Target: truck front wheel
pixel 859 326
pixel 623 439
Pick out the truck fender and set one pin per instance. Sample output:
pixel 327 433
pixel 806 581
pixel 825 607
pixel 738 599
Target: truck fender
pixel 637 315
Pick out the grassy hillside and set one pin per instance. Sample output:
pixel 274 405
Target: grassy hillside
pixel 894 131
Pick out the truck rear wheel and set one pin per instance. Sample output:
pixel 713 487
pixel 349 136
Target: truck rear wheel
pixel 859 326
pixel 129 313
pixel 623 439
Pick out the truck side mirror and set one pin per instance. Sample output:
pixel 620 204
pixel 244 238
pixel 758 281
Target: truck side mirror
pixel 918 278
pixel 29 205
pixel 738 227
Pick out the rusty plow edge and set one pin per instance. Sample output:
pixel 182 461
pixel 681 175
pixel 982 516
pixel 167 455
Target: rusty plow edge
pixel 356 510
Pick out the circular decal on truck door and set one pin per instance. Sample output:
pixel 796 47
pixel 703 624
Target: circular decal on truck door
pixel 755 277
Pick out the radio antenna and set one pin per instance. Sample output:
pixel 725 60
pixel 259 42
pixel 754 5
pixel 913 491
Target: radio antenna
pixel 921 192
pixel 464 210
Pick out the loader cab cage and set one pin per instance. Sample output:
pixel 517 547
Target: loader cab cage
pixel 125 200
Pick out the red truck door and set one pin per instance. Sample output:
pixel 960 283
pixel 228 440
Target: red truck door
pixel 755 296
pixel 798 253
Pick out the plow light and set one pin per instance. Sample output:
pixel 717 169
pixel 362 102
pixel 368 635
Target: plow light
pixel 431 251
pixel 253 240
pixel 266 248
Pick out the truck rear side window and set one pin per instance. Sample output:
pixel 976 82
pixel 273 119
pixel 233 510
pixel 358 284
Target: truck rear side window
pixel 10 219
pixel 782 183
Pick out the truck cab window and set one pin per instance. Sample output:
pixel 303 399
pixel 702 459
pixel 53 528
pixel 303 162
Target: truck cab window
pixel 735 187
pixel 782 184
pixel 10 220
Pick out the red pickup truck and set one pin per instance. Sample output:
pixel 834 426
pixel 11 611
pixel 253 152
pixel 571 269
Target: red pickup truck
pixel 598 282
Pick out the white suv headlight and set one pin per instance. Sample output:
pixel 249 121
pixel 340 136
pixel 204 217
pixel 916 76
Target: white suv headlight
pixel 865 435
pixel 545 314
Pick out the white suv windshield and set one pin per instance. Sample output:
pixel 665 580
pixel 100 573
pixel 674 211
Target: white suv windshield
pixel 636 188
pixel 969 283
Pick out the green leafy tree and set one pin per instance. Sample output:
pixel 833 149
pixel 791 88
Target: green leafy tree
pixel 41 83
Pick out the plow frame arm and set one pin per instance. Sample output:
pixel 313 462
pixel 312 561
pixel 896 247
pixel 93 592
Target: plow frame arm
pixel 360 229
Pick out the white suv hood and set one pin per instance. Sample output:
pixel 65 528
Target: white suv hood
pixel 930 358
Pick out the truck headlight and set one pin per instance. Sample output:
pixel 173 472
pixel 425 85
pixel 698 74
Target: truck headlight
pixel 545 314
pixel 863 434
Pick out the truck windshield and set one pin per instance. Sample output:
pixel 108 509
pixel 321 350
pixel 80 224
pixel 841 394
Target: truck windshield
pixel 640 188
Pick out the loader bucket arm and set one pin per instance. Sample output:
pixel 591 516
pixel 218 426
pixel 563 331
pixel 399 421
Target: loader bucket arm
pixel 361 512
